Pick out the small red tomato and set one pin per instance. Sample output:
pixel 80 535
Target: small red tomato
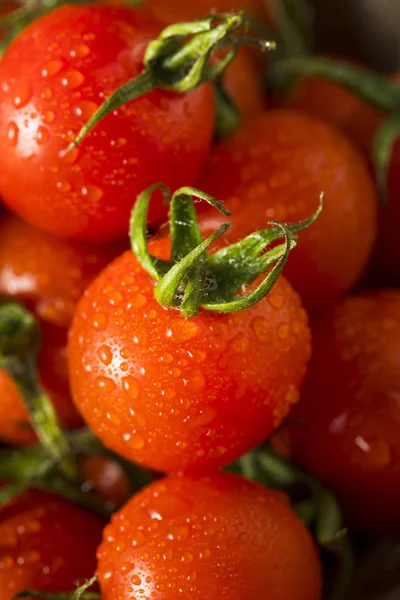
pixel 348 432
pixel 206 539
pixel 48 275
pixel 74 58
pixel 243 81
pixel 46 544
pixel 174 393
pixel 275 169
pixel 106 477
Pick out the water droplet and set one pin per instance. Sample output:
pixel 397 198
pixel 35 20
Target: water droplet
pixel 72 79
pixel 136 442
pixel 12 133
pixel 79 50
pixel 131 387
pixel 196 382
pixel 69 157
pixel 64 186
pixel 136 580
pixel 22 95
pixel 105 384
pixel 283 331
pixel 292 395
pixel 49 116
pixel 42 135
pixel 262 329
pixel 187 557
pixel 52 68
pixel 179 533
pixel 204 418
pixel 105 354
pixel 138 539
pixel 92 193
pixel 100 321
pixel 46 94
pixel 125 352
pixel 275 300
pixel 84 109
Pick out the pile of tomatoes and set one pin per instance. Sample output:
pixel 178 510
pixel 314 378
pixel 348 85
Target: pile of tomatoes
pixel 235 422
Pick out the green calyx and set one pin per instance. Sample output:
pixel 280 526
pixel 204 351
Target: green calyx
pixel 19 346
pixel 220 282
pixel 375 89
pixel 81 593
pixel 180 59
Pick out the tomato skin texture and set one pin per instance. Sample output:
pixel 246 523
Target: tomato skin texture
pixel 350 432
pixel 48 275
pixel 77 56
pixel 275 169
pixel 174 393
pixel 210 538
pixel 46 544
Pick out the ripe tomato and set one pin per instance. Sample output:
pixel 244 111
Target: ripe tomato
pixel 208 538
pixel 349 428
pixel 243 81
pixel 45 544
pixel 76 56
pixel 275 169
pixel 175 393
pixel 48 275
pixel 106 477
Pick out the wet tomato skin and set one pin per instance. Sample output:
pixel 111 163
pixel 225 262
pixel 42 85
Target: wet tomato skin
pixel 48 275
pixel 275 168
pixel 76 56
pixel 174 393
pixel 216 538
pixel 349 409
pixel 46 544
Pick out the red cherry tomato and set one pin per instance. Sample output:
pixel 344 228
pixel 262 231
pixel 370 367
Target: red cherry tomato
pixel 106 477
pixel 175 393
pixel 74 58
pixel 349 428
pixel 46 544
pixel 48 275
pixel 275 169
pixel 206 539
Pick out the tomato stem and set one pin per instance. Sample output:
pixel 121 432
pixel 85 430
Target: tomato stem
pixel 19 345
pixel 193 278
pixel 227 114
pixel 79 594
pixel 180 60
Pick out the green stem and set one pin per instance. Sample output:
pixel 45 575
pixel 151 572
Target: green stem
pixel 227 114
pixel 382 151
pixel 79 594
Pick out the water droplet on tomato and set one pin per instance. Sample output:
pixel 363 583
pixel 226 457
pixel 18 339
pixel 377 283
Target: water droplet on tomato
pixel 105 384
pixel 49 116
pixel 52 68
pixel 92 193
pixel 22 95
pixel 131 387
pixel 64 186
pixel 275 300
pixel 105 354
pixel 178 533
pixel 72 79
pixel 84 109
pixel 196 382
pixel 79 50
pixel 138 539
pixel 204 418
pixel 283 331
pixel 42 135
pixel 135 442
pixel 262 329
pixel 136 580
pixel 46 94
pixel 12 133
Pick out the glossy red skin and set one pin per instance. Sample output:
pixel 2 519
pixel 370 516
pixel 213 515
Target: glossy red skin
pixel 46 544
pixel 174 393
pixel 350 431
pixel 212 538
pixel 275 169
pixel 107 478
pixel 49 275
pixel 85 53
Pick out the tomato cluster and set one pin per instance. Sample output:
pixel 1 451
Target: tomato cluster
pixel 164 358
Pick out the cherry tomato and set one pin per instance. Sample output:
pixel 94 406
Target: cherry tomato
pixel 275 169
pixel 175 393
pixel 348 432
pixel 106 477
pixel 45 544
pixel 74 57
pixel 48 275
pixel 208 538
